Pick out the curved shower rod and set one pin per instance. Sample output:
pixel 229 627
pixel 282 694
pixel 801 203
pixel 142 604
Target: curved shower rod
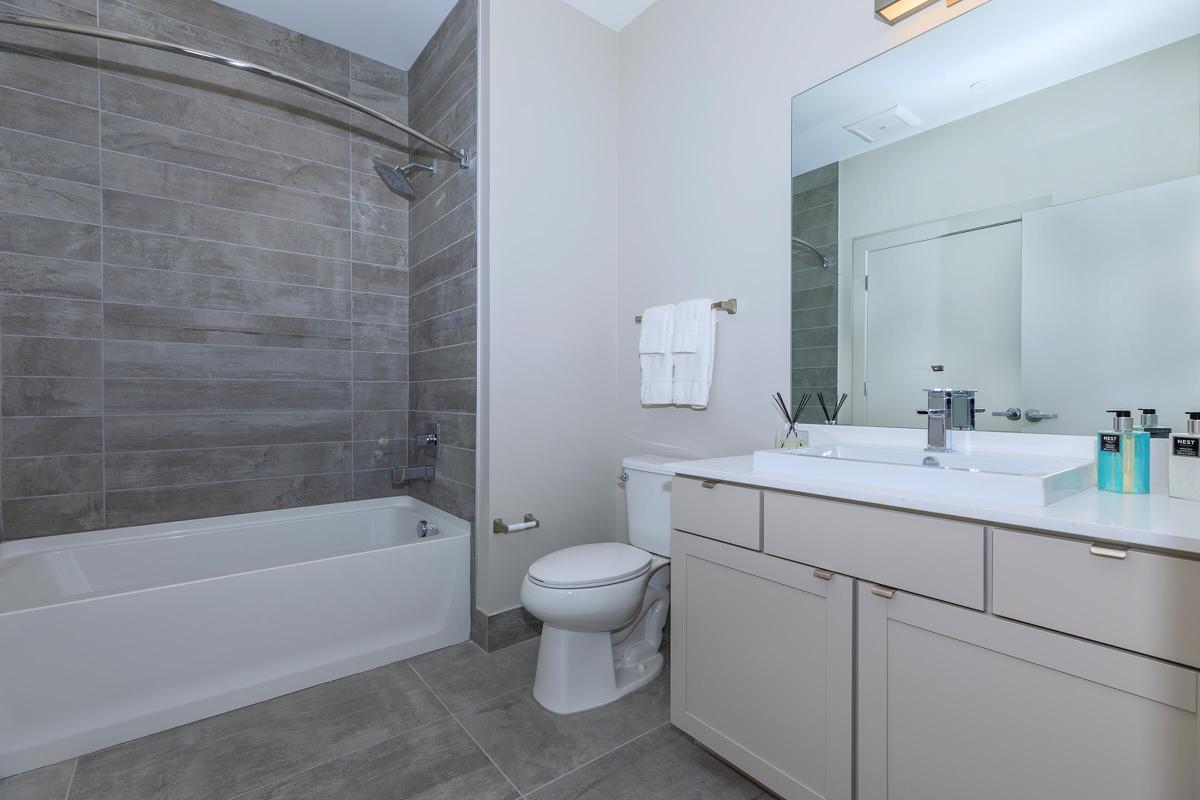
pixel 246 66
pixel 824 259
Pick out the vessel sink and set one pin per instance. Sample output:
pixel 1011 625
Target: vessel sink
pixel 1037 480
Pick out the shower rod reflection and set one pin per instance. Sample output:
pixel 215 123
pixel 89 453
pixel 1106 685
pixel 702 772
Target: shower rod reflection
pixel 245 66
pixel 796 240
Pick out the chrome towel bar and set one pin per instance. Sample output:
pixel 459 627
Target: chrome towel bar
pixel 728 306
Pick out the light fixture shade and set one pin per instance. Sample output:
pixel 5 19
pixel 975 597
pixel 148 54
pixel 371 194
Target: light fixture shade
pixel 892 11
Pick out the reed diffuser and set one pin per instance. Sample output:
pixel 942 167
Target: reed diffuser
pixel 789 437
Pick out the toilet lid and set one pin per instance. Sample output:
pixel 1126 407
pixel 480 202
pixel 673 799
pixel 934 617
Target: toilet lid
pixel 590 565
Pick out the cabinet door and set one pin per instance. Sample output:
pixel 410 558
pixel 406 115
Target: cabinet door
pixel 957 704
pixel 761 665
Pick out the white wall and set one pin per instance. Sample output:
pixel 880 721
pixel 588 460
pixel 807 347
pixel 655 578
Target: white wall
pixel 548 395
pixel 706 88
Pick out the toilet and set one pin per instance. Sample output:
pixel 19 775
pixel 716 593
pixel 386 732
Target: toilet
pixel 603 606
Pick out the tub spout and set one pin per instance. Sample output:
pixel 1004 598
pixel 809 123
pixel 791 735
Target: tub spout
pixel 406 474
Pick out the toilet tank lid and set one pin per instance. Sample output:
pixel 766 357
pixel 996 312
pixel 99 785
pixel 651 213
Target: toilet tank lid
pixel 655 464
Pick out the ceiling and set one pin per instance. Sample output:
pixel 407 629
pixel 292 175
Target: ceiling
pixel 1006 50
pixel 392 31
pixel 616 14
pixel 396 31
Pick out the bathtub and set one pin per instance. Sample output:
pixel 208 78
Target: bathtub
pixel 113 635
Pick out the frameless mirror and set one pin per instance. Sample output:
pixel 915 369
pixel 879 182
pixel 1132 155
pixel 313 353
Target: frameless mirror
pixel 1008 203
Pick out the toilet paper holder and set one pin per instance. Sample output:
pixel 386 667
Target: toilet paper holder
pixel 499 525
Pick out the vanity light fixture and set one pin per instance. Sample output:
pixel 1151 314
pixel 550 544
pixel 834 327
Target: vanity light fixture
pixel 892 11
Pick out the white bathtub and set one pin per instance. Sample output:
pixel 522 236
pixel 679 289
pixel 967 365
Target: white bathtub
pixel 108 636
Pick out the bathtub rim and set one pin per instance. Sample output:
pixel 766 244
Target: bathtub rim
pixel 450 528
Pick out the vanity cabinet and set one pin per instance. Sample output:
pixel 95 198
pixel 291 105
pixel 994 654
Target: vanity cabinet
pixel 956 704
pixel 762 665
pixel 869 630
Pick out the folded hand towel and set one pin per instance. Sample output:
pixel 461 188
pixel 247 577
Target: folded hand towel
pixel 694 371
pixel 657 325
pixel 654 347
pixel 691 317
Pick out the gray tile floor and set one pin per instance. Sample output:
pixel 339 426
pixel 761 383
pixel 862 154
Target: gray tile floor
pixel 455 724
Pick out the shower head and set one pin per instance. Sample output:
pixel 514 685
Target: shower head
pixel 396 176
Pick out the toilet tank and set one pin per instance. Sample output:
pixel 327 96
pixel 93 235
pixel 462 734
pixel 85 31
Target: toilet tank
pixel 648 502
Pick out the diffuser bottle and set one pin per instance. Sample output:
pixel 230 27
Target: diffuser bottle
pixel 1123 457
pixel 1185 460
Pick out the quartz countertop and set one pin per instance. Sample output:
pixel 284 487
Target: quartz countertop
pixel 1151 520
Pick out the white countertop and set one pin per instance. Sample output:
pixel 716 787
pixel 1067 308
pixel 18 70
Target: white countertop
pixel 1152 520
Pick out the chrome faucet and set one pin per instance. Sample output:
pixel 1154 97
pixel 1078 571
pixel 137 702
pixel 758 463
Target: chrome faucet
pixel 948 410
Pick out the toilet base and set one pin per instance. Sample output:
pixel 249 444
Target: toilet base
pixel 581 670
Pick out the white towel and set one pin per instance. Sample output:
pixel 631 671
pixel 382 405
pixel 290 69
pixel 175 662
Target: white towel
pixel 658 323
pixel 654 352
pixel 694 371
pixel 691 316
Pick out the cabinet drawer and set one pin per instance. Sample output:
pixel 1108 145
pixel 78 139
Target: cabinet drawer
pixel 934 557
pixel 1144 602
pixel 718 511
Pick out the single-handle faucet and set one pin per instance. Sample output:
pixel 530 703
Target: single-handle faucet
pixel 948 410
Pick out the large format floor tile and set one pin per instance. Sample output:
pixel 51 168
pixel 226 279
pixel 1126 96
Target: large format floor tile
pixel 260 744
pixel 464 676
pixel 47 783
pixel 437 762
pixel 534 746
pixel 662 765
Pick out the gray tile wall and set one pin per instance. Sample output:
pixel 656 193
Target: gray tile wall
pixel 814 289
pixel 443 343
pixel 443 98
pixel 203 286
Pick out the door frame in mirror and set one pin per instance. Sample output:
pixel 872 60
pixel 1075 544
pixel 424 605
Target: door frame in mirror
pixel 854 348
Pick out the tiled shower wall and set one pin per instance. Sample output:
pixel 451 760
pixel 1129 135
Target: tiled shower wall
pixel 203 286
pixel 814 288
pixel 443 310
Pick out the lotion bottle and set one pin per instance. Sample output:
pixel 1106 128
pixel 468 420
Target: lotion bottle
pixel 1123 457
pixel 1160 449
pixel 1185 460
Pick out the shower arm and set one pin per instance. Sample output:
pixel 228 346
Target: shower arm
pixel 170 47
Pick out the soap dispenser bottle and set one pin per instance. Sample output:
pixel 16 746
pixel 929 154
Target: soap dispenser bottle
pixel 1123 457
pixel 1160 449
pixel 1185 460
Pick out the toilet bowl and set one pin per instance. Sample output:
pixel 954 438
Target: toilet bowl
pixel 603 606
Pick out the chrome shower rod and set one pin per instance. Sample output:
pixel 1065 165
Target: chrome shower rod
pixel 214 58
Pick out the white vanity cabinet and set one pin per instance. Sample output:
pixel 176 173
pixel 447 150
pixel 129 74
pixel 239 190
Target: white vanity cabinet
pixel 1071 679
pixel 956 704
pixel 761 665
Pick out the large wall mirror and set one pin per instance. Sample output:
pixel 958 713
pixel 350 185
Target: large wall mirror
pixel 1009 203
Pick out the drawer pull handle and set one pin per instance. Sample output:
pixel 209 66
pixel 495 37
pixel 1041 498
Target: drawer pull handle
pixel 709 484
pixel 886 592
pixel 1118 553
pixel 823 574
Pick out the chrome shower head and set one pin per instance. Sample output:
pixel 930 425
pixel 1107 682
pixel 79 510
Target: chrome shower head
pixel 396 176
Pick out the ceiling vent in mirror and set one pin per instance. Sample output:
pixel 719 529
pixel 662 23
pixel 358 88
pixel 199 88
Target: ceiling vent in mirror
pixel 892 11
pixel 884 125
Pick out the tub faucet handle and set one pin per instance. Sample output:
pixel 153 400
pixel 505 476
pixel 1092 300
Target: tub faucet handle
pixel 428 441
pixel 424 529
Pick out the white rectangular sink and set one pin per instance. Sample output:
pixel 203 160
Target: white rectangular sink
pixel 1036 480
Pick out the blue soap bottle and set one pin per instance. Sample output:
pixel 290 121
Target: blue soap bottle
pixel 1123 457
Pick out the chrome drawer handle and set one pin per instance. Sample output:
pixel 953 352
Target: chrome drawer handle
pixel 709 484
pixel 823 574
pixel 886 592
pixel 1118 553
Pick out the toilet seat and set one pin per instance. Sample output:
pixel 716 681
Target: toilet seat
pixel 590 565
